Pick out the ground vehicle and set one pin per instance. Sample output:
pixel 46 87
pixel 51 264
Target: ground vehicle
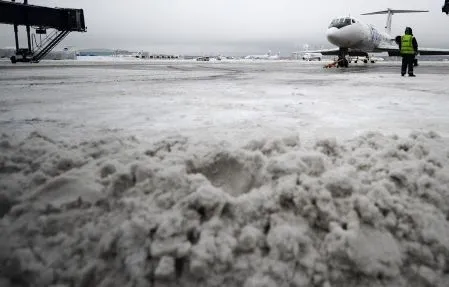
pixel 312 56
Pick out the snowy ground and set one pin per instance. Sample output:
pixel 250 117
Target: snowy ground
pixel 239 173
pixel 232 101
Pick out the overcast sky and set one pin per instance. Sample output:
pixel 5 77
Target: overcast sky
pixel 233 26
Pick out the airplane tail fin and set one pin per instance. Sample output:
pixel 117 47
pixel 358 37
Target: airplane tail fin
pixel 390 13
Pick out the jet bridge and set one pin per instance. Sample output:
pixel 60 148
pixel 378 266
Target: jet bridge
pixel 61 20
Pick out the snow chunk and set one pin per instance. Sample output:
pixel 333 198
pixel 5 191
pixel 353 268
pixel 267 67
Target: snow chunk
pixel 65 191
pixel 235 174
pixel 340 182
pixel 207 201
pixel 250 238
pixel 165 269
pixel 260 281
pixel 367 250
pixel 287 242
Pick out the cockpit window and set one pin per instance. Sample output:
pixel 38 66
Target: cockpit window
pixel 341 22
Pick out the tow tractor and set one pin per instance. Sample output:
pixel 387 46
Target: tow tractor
pixel 338 63
pixel 343 62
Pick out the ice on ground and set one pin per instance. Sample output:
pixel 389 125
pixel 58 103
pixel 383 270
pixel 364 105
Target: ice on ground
pixel 233 101
pixel 371 211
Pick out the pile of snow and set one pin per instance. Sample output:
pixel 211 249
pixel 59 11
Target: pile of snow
pixel 372 211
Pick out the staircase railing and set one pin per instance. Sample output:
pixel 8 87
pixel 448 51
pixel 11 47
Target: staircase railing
pixel 48 44
pixel 44 41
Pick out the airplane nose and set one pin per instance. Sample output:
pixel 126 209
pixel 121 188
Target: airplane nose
pixel 333 36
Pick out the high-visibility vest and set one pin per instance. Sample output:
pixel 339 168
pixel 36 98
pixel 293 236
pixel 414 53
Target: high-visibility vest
pixel 407 45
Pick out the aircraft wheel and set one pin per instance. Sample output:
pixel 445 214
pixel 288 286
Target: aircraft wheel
pixel 365 61
pixel 343 63
pixel 13 59
pixel 372 62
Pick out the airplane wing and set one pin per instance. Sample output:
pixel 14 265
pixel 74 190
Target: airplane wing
pixel 336 51
pixel 326 52
pixel 394 51
pixel 433 51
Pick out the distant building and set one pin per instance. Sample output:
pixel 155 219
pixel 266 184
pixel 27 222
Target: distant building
pixel 164 56
pixel 61 55
pixel 96 52
pixel 7 52
pixel 143 55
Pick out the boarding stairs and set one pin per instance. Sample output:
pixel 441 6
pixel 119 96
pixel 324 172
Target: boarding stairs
pixel 47 44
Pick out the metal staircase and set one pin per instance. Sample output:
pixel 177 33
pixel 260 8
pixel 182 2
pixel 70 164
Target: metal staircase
pixel 51 41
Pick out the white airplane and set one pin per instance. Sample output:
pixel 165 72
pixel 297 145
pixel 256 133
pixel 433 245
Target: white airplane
pixel 267 56
pixel 354 38
pixel 275 57
pixel 312 56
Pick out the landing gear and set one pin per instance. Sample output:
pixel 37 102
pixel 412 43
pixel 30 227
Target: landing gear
pixel 342 61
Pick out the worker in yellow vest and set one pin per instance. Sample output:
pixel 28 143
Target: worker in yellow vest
pixel 408 47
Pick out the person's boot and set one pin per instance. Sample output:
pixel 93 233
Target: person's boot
pixel 411 75
pixel 403 74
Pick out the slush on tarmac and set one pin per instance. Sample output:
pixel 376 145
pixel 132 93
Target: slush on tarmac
pixel 231 173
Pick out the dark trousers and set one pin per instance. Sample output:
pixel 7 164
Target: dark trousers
pixel 407 60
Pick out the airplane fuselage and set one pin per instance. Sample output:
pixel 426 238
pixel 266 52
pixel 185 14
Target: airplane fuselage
pixel 350 33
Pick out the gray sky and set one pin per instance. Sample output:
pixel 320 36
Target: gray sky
pixel 233 26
